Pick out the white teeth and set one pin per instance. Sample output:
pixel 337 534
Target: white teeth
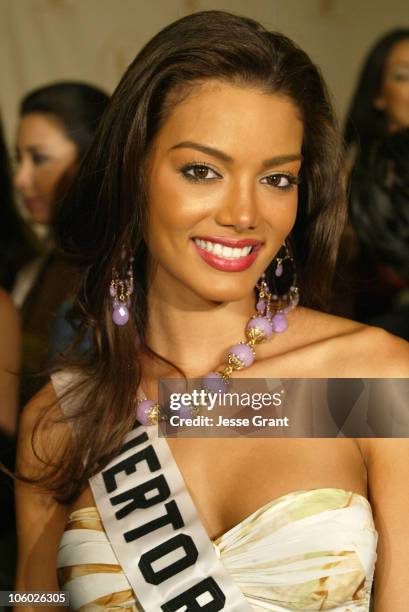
pixel 223 251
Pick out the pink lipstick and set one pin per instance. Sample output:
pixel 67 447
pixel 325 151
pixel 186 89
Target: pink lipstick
pixel 223 255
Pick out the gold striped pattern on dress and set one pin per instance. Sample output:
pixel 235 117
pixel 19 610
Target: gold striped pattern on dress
pixel 307 550
pixel 74 577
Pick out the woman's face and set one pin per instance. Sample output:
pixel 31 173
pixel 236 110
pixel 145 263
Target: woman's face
pixel 44 154
pixel 394 96
pixel 222 189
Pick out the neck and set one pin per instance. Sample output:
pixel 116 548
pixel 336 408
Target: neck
pixel 192 333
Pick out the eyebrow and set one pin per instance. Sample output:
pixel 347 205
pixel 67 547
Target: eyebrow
pixel 34 148
pixel 277 160
pixel 399 63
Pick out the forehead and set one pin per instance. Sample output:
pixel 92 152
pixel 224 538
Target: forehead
pixel 399 53
pixel 40 127
pixel 240 120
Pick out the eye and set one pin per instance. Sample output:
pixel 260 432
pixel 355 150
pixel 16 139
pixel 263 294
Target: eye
pixel 39 158
pixel 401 76
pixel 280 180
pixel 199 172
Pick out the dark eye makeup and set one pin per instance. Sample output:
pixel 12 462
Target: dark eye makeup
pixel 39 158
pixel 200 172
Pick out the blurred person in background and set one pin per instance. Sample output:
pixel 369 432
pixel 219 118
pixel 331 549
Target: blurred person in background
pixel 17 243
pixel 376 242
pixel 379 212
pixel 15 248
pixel 57 124
pixel 380 104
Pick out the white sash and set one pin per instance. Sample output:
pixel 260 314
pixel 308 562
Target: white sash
pixel 155 531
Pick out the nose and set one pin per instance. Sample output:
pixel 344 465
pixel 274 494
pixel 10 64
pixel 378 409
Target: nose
pixel 238 208
pixel 23 176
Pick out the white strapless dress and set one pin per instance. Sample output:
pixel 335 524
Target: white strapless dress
pixel 308 550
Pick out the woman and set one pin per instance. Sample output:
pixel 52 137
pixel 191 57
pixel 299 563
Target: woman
pixel 379 112
pixel 15 250
pixel 11 230
pixel 379 205
pixel 380 104
pixel 57 124
pixel 17 243
pixel 210 157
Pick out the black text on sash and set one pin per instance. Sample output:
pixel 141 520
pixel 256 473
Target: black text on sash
pixel 154 493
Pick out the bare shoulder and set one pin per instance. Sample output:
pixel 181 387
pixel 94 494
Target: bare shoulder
pixel 378 353
pixel 321 325
pixel 43 433
pixel 8 312
pixel 352 349
pixel 10 358
pixel 388 473
pixel 43 438
pixel 392 352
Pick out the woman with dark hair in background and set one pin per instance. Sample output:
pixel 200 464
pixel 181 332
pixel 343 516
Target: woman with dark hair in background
pixel 380 104
pixel 15 251
pixel 18 244
pixel 9 324
pixel 216 170
pixel 379 212
pixel 57 124
pixel 377 242
pixel 12 239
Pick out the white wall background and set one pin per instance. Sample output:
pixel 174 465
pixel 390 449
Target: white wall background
pixel 94 40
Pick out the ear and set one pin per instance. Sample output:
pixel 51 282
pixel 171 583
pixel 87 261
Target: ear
pixel 379 103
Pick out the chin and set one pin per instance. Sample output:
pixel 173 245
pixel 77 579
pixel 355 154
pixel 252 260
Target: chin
pixel 40 219
pixel 232 290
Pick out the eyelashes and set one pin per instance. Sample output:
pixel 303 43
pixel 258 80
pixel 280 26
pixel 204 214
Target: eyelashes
pixel 281 180
pixel 202 173
pixel 199 172
pixel 38 159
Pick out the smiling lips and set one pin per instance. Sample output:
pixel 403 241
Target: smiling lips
pixel 227 254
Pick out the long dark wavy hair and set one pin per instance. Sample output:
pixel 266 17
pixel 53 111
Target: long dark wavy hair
pixel 366 124
pixel 77 107
pixel 107 208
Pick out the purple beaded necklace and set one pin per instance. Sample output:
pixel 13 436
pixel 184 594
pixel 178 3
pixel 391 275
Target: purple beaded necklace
pixel 270 317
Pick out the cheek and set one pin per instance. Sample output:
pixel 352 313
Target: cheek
pixel 281 213
pixel 174 203
pixel 397 94
pixel 48 177
pixel 46 182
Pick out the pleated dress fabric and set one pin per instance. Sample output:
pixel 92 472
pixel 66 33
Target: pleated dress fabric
pixel 307 550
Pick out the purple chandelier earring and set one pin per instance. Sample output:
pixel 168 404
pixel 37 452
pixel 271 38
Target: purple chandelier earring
pixel 120 291
pixel 284 302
